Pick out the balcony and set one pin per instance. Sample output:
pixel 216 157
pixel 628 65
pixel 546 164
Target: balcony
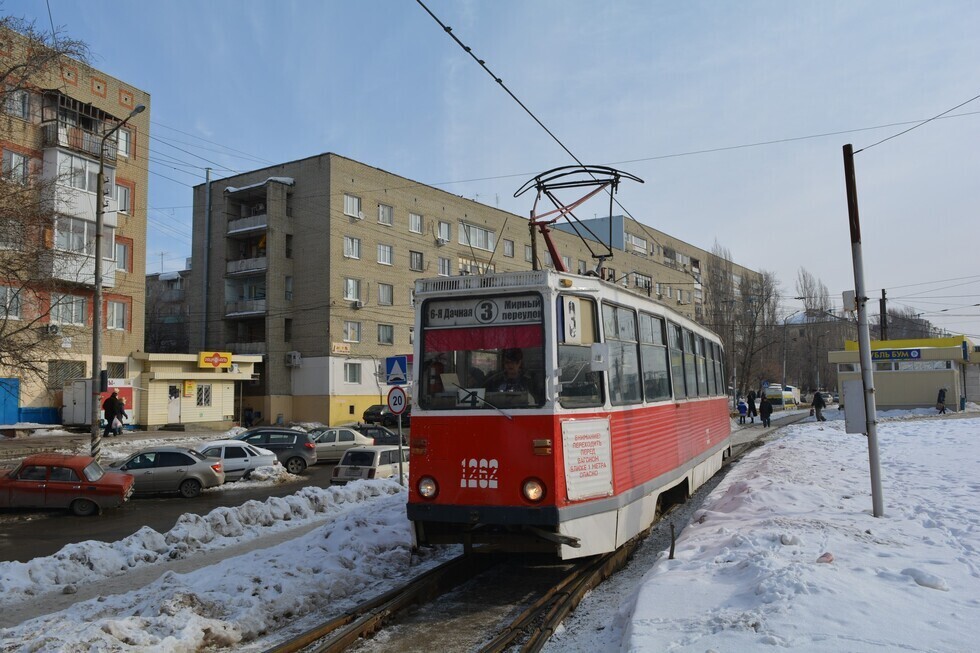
pixel 253 347
pixel 245 308
pixel 248 225
pixel 58 134
pixel 247 265
pixel 72 201
pixel 171 295
pixel 76 268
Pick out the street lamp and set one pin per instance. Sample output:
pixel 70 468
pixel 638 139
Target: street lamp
pixel 96 439
pixel 784 348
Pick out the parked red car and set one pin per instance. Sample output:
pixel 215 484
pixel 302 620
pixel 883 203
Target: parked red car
pixel 78 483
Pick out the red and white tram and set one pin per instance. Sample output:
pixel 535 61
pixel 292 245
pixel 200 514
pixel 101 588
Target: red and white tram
pixel 554 410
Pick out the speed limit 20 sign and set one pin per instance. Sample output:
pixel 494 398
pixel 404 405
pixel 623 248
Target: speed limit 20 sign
pixel 397 400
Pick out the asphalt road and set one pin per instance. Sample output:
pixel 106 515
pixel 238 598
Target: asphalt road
pixel 25 535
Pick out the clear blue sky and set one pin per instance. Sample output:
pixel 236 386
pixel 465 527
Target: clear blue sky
pixel 645 86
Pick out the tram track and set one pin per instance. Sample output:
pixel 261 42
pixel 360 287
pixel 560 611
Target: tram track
pixel 477 602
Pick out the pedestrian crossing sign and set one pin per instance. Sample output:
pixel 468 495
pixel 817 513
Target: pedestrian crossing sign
pixel 396 369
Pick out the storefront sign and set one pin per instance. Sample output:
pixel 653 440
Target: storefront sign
pixel 214 359
pixel 896 354
pixel 190 388
pixel 339 347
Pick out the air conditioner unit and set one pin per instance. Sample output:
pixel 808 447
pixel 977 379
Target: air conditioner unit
pixel 360 215
pixel 660 295
pixel 357 303
pixel 53 329
pixel 294 359
pixel 441 241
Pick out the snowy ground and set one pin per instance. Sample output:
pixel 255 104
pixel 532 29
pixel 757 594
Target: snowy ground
pixel 783 552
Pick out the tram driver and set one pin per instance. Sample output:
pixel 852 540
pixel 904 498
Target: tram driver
pixel 512 378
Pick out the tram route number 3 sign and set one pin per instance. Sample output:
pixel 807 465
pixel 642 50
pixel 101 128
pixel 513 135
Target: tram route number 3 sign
pixel 397 400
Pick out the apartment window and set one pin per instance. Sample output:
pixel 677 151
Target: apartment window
pixel 203 395
pixel 124 142
pixel 19 104
pixel 67 309
pixel 352 205
pixel 477 237
pixel 352 247
pixel 352 372
pixel 508 248
pixel 567 262
pixel 16 167
pixel 287 330
pixel 116 370
pixel 411 335
pixel 470 266
pixel 386 294
pixel 122 256
pixel 636 244
pixel 9 302
pixel 415 223
pixel 642 280
pixel 122 198
pixel 352 289
pixel 528 253
pixel 352 331
pixel 78 236
pixel 444 267
pixel 116 316
pixel 581 266
pixel 384 254
pixel 288 283
pixel 386 214
pixel 386 334
pixel 416 261
pixel 445 231
pixel 81 173
pixel 289 246
pixel 61 371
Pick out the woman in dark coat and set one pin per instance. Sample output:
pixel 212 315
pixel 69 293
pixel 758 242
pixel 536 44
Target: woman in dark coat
pixel 752 411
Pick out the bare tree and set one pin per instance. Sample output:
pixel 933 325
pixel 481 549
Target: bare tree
pixel 28 289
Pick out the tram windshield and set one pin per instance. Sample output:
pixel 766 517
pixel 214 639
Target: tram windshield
pixel 480 353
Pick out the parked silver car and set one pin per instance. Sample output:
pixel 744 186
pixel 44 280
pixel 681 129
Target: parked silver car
pixel 239 458
pixel 172 469
pixel 331 443
pixel 369 462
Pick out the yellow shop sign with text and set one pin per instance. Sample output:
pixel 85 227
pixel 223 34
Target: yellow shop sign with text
pixel 214 359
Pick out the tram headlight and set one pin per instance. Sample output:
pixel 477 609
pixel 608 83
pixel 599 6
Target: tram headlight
pixel 427 487
pixel 533 490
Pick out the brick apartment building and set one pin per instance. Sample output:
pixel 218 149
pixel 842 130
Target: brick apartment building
pixel 311 264
pixel 51 129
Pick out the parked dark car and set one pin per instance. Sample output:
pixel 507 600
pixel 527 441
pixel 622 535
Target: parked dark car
pixel 374 414
pixel 295 449
pixel 78 483
pixel 380 434
pixel 172 469
pixel 390 419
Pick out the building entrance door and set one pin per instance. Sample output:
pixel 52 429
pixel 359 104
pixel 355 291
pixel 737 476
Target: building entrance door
pixel 173 405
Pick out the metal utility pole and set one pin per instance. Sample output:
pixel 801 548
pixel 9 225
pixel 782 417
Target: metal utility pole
pixel 883 308
pixel 206 262
pixel 96 435
pixel 864 332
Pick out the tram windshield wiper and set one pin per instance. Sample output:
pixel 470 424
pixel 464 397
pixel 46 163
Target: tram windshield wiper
pixel 473 395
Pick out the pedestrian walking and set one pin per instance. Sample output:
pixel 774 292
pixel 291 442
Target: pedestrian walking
pixel 114 413
pixel 818 405
pixel 742 410
pixel 941 401
pixel 765 412
pixel 752 410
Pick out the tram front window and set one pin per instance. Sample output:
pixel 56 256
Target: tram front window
pixel 482 354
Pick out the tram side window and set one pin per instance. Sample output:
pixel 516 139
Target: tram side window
pixel 702 367
pixel 709 354
pixel 720 365
pixel 624 360
pixel 579 386
pixel 653 355
pixel 690 373
pixel 676 344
